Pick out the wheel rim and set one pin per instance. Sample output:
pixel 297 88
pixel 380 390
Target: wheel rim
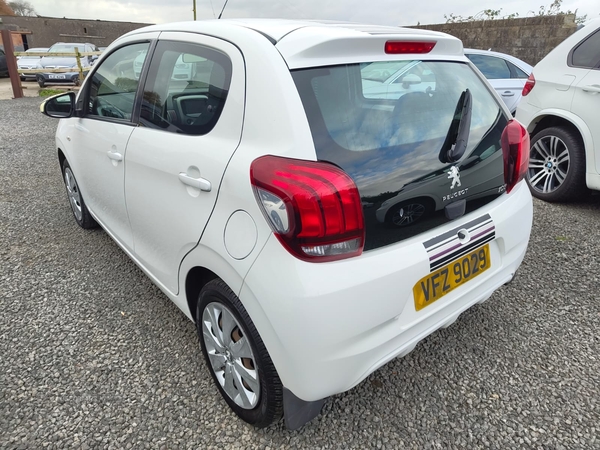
pixel 549 163
pixel 408 214
pixel 73 193
pixel 231 357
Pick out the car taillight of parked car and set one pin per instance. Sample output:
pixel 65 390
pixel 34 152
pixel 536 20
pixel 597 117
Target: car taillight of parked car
pixel 515 152
pixel 529 85
pixel 314 208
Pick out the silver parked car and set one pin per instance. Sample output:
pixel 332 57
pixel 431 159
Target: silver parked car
pixel 506 74
pixel 30 62
pixel 65 62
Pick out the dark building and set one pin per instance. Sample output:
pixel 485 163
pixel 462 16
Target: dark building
pixel 31 32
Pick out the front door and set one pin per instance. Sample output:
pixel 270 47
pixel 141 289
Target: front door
pixel 100 139
pixel 190 125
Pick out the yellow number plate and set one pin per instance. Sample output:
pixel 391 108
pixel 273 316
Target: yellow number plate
pixel 439 283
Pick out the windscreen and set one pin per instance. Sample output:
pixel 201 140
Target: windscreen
pixel 415 136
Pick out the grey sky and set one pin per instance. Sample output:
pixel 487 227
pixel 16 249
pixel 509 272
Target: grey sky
pixel 389 12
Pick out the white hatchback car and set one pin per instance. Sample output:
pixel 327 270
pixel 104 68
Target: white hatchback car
pixel 249 196
pixel 560 106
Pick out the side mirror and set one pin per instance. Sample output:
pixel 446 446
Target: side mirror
pixel 59 106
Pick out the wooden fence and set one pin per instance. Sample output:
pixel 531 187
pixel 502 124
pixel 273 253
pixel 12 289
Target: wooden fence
pixel 77 55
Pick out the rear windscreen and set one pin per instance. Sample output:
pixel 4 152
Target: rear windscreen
pixel 391 126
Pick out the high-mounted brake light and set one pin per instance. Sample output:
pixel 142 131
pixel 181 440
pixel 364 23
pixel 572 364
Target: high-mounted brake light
pixel 400 47
pixel 529 85
pixel 314 208
pixel 515 152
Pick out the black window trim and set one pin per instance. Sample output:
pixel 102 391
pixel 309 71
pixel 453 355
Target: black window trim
pixel 576 46
pixel 83 99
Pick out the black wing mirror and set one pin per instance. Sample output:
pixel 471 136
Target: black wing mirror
pixel 59 106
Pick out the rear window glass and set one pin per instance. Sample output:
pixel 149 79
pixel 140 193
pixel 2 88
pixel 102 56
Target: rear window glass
pixel 386 123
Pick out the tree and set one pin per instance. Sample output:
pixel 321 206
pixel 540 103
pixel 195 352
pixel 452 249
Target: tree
pixel 22 8
pixel 5 9
pixel 490 14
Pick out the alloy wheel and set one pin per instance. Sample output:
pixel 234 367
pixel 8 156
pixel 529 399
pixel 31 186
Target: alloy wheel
pixel 548 164
pixel 73 194
pixel 231 357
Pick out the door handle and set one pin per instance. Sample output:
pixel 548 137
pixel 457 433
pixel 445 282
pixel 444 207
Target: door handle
pixel 199 183
pixel 508 94
pixel 115 156
pixel 594 88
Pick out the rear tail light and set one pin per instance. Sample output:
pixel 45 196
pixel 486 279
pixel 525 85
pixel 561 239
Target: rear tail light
pixel 314 208
pixel 402 47
pixel 529 84
pixel 515 150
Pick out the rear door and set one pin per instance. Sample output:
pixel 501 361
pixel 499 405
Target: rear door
pixel 586 101
pixel 190 125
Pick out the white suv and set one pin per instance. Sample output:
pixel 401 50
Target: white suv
pixel 249 194
pixel 560 106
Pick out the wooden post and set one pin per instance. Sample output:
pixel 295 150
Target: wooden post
pixel 78 58
pixel 11 62
pixel 194 9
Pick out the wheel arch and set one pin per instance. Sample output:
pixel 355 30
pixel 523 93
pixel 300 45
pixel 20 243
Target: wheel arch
pixel 196 278
pixel 200 266
pixel 559 118
pixel 61 157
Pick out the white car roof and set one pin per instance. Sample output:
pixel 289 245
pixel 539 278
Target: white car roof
pixel 305 43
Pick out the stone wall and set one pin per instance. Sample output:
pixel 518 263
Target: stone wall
pixel 45 31
pixel 528 38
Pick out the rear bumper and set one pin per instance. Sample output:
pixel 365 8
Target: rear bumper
pixel 328 326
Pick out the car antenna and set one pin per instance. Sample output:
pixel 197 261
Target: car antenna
pixel 223 9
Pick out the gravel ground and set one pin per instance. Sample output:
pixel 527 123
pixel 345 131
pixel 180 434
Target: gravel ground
pixel 94 356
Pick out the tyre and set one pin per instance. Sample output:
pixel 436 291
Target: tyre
pixel 41 82
pixel 236 356
pixel 76 81
pixel 82 216
pixel 408 213
pixel 556 165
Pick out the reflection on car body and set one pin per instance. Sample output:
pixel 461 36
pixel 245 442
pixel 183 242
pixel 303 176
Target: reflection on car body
pixel 434 191
pixel 381 81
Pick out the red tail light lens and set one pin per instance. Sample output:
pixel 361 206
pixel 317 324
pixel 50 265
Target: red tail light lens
pixel 401 47
pixel 529 84
pixel 314 208
pixel 515 150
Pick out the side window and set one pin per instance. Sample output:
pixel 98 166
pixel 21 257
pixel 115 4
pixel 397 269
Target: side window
pixel 114 84
pixel 186 88
pixel 516 72
pixel 587 54
pixel 492 68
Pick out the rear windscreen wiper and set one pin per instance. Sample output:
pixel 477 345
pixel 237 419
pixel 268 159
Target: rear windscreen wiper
pixel 458 135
